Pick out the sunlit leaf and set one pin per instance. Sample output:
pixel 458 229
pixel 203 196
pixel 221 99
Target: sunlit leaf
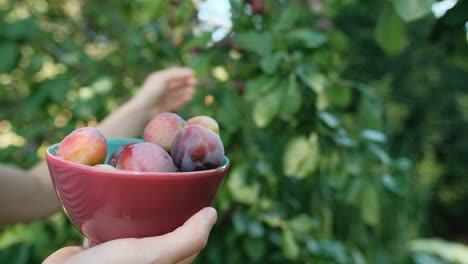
pixel 240 190
pixel 289 245
pixel 313 79
pixel 267 107
pixel 413 9
pixel 300 158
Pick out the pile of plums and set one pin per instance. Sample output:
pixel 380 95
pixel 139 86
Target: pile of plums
pixel 170 144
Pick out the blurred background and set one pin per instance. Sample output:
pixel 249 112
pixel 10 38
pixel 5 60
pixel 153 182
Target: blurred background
pixel 346 121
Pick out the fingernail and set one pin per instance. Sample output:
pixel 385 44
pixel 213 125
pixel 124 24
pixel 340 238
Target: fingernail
pixel 210 215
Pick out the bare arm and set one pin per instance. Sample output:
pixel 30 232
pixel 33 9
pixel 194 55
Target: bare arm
pixel 27 195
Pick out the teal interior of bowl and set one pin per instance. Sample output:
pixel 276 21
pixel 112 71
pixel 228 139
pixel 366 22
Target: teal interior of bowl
pixel 114 143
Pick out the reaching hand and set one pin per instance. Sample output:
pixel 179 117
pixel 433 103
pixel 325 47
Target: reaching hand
pixel 167 90
pixel 179 246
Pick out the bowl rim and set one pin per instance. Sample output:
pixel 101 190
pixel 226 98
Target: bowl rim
pixel 131 174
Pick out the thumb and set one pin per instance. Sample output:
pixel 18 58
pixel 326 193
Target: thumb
pixel 62 254
pixel 186 240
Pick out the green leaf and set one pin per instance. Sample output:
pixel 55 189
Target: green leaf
pixel 327 222
pixel 184 12
pixel 37 61
pixel 307 37
pixel 9 55
pixel 301 157
pixel 397 185
pixel 254 248
pixel 57 89
pixel 289 245
pixel 272 220
pixel 390 31
pixel 103 85
pixel 303 224
pixel 21 29
pixel 240 191
pixel 267 107
pixel 370 111
pixel 313 79
pixel 255 229
pixel 269 63
pixel 19 253
pixel 70 58
pixel 240 221
pixel 450 251
pixel 329 119
pixel 317 82
pixel 228 119
pixel 292 99
pixel 18 234
pixel 370 207
pixel 288 17
pixel 379 153
pixel 199 41
pixel 201 64
pixel 255 88
pixel 373 135
pixel 352 195
pixel 410 10
pixel 258 42
pixel 152 10
pixel 334 250
pixel 339 95
pixel 426 258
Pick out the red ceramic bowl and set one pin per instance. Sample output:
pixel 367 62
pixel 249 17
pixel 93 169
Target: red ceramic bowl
pixel 111 204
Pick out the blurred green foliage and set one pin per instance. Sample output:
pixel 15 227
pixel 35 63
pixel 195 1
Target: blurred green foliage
pixel 345 121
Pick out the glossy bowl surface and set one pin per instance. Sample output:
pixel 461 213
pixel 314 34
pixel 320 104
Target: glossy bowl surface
pixel 111 204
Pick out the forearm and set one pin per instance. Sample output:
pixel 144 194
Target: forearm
pixel 127 121
pixel 29 195
pixel 26 195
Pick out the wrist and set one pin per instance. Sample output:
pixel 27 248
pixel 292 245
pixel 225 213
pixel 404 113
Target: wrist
pixel 138 106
